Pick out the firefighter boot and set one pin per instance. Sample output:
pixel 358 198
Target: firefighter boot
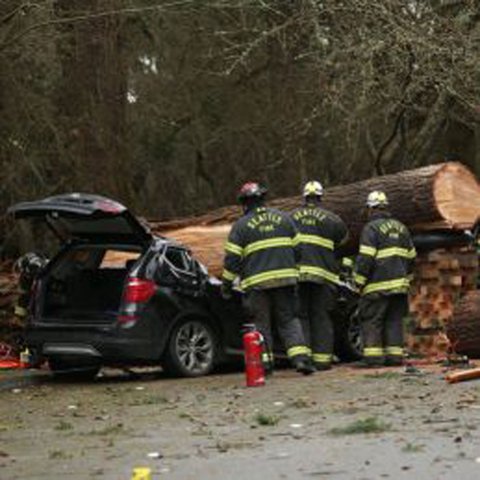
pixel 394 356
pixel 304 365
pixel 373 357
pixel 322 361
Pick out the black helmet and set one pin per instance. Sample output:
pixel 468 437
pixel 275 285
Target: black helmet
pixel 30 264
pixel 251 191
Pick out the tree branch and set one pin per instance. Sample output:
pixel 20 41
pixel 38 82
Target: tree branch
pixel 93 16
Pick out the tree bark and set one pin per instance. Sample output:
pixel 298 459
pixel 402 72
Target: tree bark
pixel 463 330
pixel 443 196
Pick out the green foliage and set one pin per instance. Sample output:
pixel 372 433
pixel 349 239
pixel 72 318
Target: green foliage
pixel 413 448
pixel 59 455
pixel 301 402
pixel 149 400
pixel 109 430
pixel 385 376
pixel 367 425
pixel 63 426
pixel 266 420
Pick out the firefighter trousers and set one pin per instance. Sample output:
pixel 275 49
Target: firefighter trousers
pixel 276 307
pixel 317 302
pixel 382 327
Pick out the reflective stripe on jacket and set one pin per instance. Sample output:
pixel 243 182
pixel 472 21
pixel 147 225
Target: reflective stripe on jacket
pixel 386 256
pixel 320 232
pixel 261 251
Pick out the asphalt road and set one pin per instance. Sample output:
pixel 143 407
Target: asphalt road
pixel 342 424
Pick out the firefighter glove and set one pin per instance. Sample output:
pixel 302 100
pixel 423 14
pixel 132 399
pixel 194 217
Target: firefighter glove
pixel 226 290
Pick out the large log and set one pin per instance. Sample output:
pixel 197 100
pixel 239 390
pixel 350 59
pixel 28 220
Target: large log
pixel 463 330
pixel 443 196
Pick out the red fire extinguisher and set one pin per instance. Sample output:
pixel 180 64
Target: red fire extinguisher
pixel 253 348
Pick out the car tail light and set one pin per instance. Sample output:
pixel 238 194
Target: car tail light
pixel 138 290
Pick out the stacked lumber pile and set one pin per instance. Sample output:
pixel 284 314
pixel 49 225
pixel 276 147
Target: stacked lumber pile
pixel 441 278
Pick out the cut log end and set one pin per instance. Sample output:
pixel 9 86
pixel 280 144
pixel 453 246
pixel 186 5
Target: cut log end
pixel 457 195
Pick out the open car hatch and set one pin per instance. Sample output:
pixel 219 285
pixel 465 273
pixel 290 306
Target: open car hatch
pixel 86 217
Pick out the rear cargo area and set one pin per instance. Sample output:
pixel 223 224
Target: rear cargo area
pixel 85 284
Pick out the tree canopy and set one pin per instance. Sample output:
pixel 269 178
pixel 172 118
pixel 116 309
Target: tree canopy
pixel 170 105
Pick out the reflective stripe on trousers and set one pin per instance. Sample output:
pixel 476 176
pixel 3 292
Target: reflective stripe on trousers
pixel 394 351
pixel 373 352
pixel 322 358
pixel 298 350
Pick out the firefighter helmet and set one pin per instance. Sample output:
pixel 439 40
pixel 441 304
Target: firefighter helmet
pixel 250 191
pixel 377 198
pixel 313 189
pixel 31 263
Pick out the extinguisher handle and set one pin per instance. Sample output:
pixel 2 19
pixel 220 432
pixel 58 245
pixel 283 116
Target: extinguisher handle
pixel 248 327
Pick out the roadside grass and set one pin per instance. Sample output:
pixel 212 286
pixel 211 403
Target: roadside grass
pixel 301 402
pixel 16 425
pixel 224 446
pixel 413 448
pixel 59 455
pixel 109 430
pixel 366 425
pixel 384 375
pixel 266 420
pixel 148 400
pixel 63 426
pixel 352 410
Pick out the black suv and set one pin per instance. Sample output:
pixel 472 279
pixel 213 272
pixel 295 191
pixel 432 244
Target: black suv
pixel 117 295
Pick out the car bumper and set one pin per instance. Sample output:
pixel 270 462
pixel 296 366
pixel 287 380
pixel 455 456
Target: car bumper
pixel 108 347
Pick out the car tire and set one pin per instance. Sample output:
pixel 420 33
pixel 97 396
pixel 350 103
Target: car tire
pixel 192 349
pixel 68 370
pixel 348 338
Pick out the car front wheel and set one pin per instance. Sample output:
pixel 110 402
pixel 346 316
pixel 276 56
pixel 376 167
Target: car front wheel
pixel 192 349
pixel 348 338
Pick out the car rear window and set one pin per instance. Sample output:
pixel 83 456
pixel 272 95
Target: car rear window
pixel 118 259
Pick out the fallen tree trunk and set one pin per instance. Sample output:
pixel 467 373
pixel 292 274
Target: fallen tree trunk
pixel 463 330
pixel 443 196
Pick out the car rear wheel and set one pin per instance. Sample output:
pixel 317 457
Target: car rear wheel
pixel 68 370
pixel 192 349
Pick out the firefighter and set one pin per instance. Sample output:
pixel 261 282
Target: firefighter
pixel 260 252
pixel 28 266
pixel 320 233
pixel 382 273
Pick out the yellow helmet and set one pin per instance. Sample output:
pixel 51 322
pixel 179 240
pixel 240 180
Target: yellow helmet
pixel 313 188
pixel 377 198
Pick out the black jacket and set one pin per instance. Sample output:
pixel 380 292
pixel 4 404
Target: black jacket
pixel 320 233
pixel 386 257
pixel 260 250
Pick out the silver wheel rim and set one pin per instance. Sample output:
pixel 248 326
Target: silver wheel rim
pixel 194 347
